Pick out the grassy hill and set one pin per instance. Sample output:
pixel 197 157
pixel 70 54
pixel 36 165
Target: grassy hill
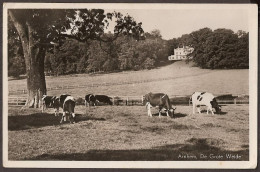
pixel 178 78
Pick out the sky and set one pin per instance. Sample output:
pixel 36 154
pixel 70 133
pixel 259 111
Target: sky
pixel 173 23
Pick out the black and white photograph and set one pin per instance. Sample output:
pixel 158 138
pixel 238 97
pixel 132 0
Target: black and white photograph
pixel 126 85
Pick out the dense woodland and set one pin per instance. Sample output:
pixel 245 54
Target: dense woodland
pixel 218 49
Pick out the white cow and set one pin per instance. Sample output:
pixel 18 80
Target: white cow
pixel 204 98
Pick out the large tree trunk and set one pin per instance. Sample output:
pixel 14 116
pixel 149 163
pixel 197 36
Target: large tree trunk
pixel 34 60
pixel 36 84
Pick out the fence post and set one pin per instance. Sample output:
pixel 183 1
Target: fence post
pixel 235 101
pixel 126 100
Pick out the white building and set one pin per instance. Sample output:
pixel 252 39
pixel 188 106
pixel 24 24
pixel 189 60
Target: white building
pixel 181 53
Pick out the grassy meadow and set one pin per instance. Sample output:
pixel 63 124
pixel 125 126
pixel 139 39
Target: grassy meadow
pixel 180 79
pixel 126 132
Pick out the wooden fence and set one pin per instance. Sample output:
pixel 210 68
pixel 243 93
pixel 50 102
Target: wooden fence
pixel 139 100
pixel 16 101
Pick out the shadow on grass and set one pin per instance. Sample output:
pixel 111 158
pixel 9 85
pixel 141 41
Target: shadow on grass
pixel 221 113
pixel 204 112
pixel 179 115
pixel 178 152
pixel 176 115
pixel 37 120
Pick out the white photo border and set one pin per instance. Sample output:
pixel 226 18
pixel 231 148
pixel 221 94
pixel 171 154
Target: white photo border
pixel 253 81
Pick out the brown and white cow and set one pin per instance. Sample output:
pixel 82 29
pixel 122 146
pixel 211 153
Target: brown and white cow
pixel 160 100
pixel 207 99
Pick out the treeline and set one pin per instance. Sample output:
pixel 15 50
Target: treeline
pixel 123 54
pixel 218 49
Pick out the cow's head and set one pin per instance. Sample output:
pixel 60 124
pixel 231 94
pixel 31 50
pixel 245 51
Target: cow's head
pixel 171 111
pixel 215 105
pixel 110 101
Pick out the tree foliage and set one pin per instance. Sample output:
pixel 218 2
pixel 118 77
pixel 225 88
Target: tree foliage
pixel 40 29
pixel 218 49
pixel 125 53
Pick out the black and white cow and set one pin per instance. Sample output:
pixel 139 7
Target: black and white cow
pixel 96 99
pixel 67 102
pixel 103 99
pixel 56 105
pixel 207 99
pixel 158 99
pixel 90 98
pixel 47 102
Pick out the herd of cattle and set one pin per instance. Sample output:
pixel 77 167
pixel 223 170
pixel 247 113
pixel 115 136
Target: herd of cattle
pixel 161 100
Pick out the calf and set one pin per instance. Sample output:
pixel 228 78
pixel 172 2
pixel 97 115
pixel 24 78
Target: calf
pixel 204 98
pixel 158 99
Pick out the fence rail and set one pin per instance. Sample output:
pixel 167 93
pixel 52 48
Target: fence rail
pixel 16 101
pixel 139 100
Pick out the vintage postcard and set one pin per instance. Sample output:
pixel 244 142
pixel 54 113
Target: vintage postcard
pixel 98 85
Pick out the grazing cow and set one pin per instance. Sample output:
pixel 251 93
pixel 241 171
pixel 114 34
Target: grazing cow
pixel 204 98
pixel 158 99
pixel 90 98
pixel 97 98
pixel 67 103
pixel 56 105
pixel 103 99
pixel 47 102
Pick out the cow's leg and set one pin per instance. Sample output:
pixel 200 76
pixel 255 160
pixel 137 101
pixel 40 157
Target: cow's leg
pixel 42 108
pixel 210 108
pixel 193 109
pixel 212 111
pixel 148 107
pixel 56 111
pixel 167 112
pixel 198 108
pixel 63 118
pixel 149 111
pixel 73 117
pixel 160 112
